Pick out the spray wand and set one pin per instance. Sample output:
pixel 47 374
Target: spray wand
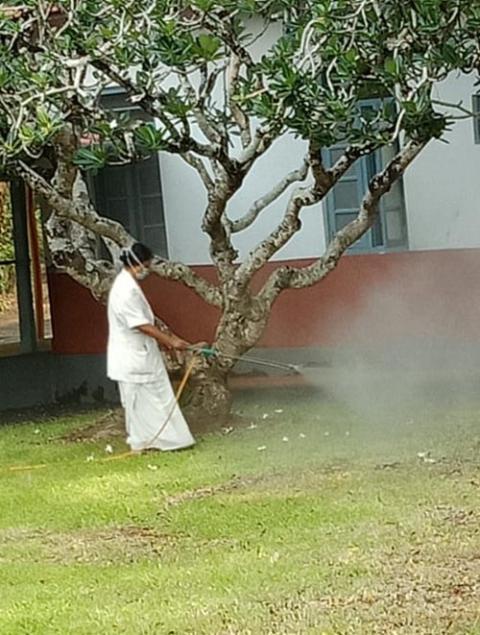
pixel 210 351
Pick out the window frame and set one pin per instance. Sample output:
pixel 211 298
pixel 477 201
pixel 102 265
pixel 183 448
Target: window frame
pixel 28 341
pixel 134 215
pixel 476 118
pixel 363 177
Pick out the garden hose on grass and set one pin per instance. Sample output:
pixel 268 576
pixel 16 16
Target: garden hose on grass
pixel 208 352
pixel 178 394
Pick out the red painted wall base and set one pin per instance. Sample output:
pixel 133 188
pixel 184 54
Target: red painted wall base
pixel 368 298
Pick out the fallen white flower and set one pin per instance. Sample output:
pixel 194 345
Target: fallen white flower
pixel 279 411
pixel 265 415
pixel 262 448
pixel 90 458
pixel 152 467
pixel 252 426
pixel 285 439
pixel 302 436
pixel 109 449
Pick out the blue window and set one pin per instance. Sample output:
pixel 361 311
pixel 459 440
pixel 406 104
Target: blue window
pixel 343 202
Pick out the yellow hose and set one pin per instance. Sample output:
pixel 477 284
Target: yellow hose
pixel 178 394
pixel 23 468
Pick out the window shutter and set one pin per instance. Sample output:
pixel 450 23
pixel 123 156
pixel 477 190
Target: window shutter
pixel 343 202
pixel 132 194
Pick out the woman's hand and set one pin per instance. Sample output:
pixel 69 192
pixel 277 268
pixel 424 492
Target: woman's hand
pixel 198 346
pixel 178 344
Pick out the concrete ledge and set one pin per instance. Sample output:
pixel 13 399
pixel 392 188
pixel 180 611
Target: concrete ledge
pixel 45 378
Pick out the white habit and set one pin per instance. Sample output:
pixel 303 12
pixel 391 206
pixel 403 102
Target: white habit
pixel 135 362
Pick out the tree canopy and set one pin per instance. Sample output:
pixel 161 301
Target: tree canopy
pixel 57 57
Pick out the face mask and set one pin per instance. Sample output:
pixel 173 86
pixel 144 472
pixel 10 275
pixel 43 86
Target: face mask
pixel 141 275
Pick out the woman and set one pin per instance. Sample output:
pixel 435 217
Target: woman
pixel 135 362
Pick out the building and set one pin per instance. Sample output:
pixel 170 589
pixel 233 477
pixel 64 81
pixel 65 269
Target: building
pixel 414 277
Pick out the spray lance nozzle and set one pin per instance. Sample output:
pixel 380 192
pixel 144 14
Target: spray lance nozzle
pixel 209 352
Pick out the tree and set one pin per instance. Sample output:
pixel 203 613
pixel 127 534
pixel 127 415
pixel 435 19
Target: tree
pixel 189 65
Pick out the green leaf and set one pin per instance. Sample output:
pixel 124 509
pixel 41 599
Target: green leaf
pixel 4 77
pixel 208 46
pixel 390 66
pixel 27 134
pixel 149 138
pixel 410 107
pixel 90 158
pixel 204 5
pixel 43 118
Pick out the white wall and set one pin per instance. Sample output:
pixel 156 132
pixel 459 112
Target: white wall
pixel 185 199
pixel 442 191
pixel 442 186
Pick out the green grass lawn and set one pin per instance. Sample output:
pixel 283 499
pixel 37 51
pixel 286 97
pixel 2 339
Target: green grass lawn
pixel 310 520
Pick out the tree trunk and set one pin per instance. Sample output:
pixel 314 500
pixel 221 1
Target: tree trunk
pixel 207 402
pixel 209 399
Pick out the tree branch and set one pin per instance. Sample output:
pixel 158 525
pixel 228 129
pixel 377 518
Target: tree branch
pixel 78 211
pixel 222 251
pixel 296 175
pixel 295 278
pixel 260 142
pixel 241 119
pixel 302 197
pixel 183 273
pixel 200 167
pixel 65 144
pixel 84 214
pixel 210 131
pixel 222 26
pixel 181 142
pixel 323 181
